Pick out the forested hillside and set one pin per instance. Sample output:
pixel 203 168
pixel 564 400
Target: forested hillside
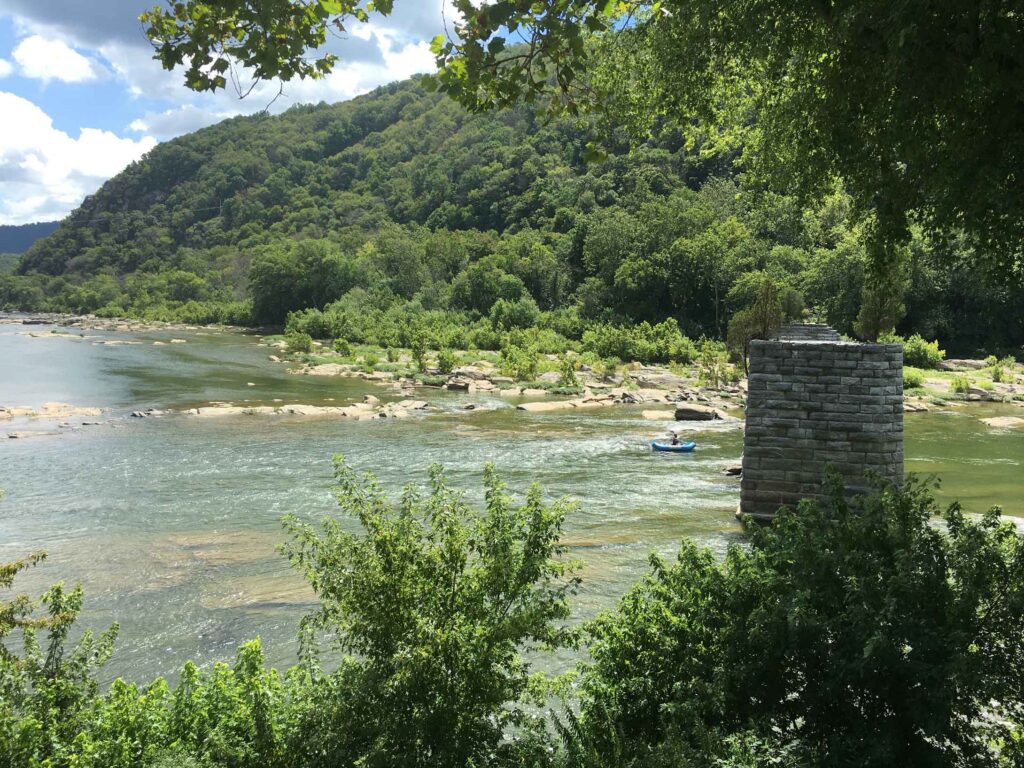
pixel 18 238
pixel 401 203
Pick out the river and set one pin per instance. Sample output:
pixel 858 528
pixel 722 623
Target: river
pixel 171 523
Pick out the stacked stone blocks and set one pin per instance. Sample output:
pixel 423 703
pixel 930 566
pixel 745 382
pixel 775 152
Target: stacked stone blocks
pixel 816 403
pixel 806 332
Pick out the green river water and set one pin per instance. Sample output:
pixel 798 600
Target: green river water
pixel 171 523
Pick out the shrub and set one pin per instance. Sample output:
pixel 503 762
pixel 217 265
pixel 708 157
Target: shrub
pixel 313 322
pixel 521 313
pixel 912 378
pixel 713 366
pixel 567 373
pixel 446 361
pixel 343 347
pixel 418 349
pixel 299 342
pixel 370 360
pixel 645 343
pixel 851 628
pixel 392 355
pixel 959 384
pixel 435 676
pixel 1003 370
pixel 519 362
pixel 991 360
pixel 608 367
pixel 922 354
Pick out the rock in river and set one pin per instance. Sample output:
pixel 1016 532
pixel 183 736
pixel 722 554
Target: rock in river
pixel 694 412
pixel 1005 422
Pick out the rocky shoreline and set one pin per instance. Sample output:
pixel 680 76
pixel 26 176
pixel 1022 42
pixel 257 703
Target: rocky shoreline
pixel 671 395
pixel 93 323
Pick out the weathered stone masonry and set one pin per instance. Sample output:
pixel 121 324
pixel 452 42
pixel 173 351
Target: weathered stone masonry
pixel 816 402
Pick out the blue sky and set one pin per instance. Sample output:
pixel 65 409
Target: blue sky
pixel 81 96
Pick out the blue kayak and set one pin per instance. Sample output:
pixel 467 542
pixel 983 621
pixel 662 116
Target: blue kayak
pixel 669 448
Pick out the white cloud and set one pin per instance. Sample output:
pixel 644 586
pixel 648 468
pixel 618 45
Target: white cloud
pixel 45 59
pixel 6 68
pixel 44 172
pixel 177 121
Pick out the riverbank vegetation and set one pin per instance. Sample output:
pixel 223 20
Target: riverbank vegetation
pixel 851 631
pixel 398 213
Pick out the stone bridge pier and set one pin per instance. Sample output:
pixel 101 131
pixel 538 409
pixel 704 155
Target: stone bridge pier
pixel 815 400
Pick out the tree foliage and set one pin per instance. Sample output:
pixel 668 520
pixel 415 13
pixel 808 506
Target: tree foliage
pixel 335 210
pixel 915 106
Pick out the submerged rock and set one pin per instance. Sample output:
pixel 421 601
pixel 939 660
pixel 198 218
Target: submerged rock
pixel 1005 422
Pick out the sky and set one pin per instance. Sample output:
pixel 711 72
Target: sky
pixel 81 96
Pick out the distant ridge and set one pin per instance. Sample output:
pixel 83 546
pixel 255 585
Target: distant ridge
pixel 18 238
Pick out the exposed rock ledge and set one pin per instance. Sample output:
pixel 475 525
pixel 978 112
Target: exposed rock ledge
pixel 1005 422
pixel 367 410
pixel 48 411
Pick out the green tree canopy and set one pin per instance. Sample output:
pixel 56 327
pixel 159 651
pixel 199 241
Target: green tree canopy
pixel 916 105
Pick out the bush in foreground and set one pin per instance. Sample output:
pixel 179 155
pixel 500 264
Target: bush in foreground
pixel 850 632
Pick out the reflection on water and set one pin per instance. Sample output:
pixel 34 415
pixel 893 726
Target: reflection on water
pixel 171 524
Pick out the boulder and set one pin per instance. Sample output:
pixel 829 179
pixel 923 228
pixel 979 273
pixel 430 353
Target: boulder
pixel 693 412
pixel 541 407
pixel 371 399
pixel 412 405
pixel 962 365
pixel 217 410
pixel 659 415
pixel 378 376
pixel 328 369
pixel 661 381
pixel 733 471
pixel 588 403
pixel 534 392
pixel 302 410
pixel 470 372
pixel 459 384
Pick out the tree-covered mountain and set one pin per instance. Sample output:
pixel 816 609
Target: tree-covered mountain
pixel 18 238
pixel 402 202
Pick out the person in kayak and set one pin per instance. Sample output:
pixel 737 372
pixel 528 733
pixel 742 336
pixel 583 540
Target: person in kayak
pixel 675 438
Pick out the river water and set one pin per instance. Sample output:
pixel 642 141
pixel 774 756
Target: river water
pixel 171 523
